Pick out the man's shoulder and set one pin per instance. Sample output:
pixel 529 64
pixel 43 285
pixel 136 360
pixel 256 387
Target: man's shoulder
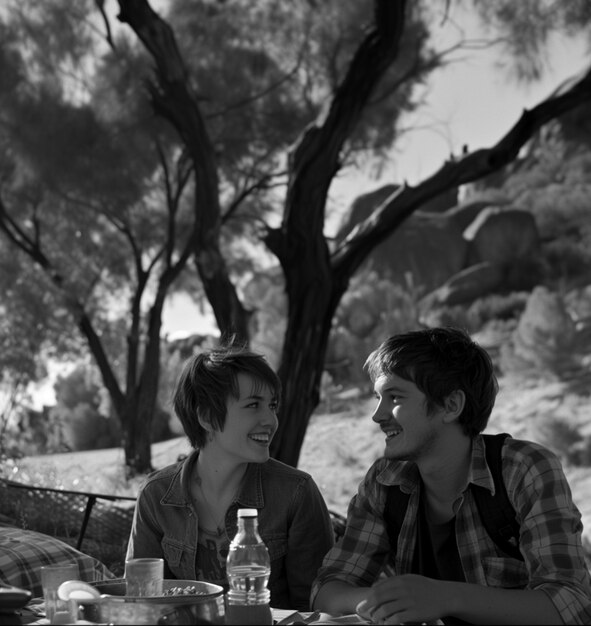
pixel 526 451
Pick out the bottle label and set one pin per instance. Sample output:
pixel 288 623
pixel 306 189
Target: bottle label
pixel 255 614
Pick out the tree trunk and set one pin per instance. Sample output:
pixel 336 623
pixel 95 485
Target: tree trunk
pixel 137 442
pixel 302 364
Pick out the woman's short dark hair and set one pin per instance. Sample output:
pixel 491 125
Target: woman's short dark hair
pixel 439 361
pixel 207 381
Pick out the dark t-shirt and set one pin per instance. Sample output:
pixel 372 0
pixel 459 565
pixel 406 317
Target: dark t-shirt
pixel 210 560
pixel 436 554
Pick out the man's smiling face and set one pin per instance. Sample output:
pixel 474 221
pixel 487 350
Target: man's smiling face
pixel 402 415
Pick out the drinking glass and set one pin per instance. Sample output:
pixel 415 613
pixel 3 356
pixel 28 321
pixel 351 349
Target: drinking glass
pixel 52 576
pixel 144 577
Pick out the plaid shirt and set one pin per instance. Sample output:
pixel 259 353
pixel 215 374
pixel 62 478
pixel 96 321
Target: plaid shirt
pixel 24 552
pixel 550 530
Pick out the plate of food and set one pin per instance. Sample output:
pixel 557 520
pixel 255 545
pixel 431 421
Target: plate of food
pixel 181 602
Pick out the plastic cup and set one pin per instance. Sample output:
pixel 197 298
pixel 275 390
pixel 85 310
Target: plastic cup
pixel 52 576
pixel 144 577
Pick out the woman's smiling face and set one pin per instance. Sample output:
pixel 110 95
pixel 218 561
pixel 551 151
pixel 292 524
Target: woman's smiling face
pixel 251 422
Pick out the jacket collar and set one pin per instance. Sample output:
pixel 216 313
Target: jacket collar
pixel 250 493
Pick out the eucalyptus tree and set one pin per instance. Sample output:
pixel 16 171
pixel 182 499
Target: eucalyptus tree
pixel 379 62
pixel 94 195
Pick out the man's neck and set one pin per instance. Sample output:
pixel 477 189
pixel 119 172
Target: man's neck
pixel 446 472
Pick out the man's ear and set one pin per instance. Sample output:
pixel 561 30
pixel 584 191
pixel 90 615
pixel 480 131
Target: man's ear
pixel 454 405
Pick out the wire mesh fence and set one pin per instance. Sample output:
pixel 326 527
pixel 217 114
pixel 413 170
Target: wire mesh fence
pixel 97 524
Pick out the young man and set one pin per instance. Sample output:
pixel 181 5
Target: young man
pixel 436 390
pixel 227 401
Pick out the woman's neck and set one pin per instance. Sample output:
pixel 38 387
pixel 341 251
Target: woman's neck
pixel 218 475
pixel 214 485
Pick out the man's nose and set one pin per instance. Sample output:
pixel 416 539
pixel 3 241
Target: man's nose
pixel 380 413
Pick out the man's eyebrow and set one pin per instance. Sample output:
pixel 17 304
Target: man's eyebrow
pixel 393 387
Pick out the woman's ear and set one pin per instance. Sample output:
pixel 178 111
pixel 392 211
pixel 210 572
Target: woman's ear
pixel 204 422
pixel 454 405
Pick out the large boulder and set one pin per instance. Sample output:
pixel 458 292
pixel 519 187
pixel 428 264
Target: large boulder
pixel 546 334
pixel 425 250
pixel 362 207
pixel 466 286
pixel 502 236
pixel 465 212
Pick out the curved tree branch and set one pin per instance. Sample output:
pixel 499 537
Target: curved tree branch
pixel 473 166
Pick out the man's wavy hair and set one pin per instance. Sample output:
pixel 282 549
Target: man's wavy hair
pixel 439 361
pixel 209 379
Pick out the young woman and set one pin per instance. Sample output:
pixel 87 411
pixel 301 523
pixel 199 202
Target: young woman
pixel 227 402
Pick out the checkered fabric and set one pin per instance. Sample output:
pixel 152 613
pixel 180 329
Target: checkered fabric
pixel 24 552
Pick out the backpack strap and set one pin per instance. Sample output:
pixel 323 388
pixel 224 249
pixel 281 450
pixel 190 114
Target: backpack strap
pixel 497 512
pixel 394 512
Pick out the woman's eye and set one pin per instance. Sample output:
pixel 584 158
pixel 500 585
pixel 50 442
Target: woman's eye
pixel 274 406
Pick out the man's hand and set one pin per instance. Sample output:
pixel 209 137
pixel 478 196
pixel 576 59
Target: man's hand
pixel 405 599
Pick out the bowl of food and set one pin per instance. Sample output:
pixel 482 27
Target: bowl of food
pixel 181 602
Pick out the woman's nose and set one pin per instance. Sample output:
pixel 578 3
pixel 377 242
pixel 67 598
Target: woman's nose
pixel 270 416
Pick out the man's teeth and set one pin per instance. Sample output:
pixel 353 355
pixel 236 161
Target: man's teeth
pixel 392 433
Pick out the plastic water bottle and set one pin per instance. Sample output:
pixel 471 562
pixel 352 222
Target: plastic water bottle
pixel 248 567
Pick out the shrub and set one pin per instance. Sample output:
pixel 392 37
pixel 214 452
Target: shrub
pixel 499 307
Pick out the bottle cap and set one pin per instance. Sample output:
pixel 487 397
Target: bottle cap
pixel 247 513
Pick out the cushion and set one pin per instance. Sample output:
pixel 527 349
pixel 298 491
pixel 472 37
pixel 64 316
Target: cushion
pixel 24 552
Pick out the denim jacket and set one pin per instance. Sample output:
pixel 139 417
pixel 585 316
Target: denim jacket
pixel 293 522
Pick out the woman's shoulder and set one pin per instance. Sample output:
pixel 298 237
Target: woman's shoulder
pixel 277 469
pixel 161 478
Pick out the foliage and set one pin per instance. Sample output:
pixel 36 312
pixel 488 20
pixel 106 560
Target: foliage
pixel 528 27
pixel 498 307
pixel 94 196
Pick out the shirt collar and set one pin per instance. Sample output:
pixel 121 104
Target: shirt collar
pixel 480 473
pixel 406 474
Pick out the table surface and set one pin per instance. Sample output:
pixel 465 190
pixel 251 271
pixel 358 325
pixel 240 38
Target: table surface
pixel 33 613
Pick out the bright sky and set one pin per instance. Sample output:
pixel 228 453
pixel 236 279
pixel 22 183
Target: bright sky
pixel 476 103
